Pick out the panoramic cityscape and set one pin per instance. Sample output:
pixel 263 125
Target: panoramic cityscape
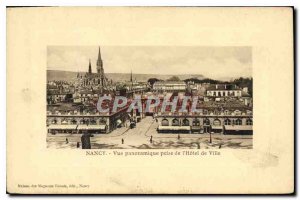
pixel 163 108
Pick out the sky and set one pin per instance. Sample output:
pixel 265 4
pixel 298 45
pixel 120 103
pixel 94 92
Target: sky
pixel 212 62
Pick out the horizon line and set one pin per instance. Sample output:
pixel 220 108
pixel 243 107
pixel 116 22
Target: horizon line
pixel 146 74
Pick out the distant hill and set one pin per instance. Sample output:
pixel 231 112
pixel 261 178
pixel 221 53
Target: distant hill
pixel 71 76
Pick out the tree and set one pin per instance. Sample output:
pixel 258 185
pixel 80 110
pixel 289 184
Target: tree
pixel 151 81
pixel 245 82
pixel 206 80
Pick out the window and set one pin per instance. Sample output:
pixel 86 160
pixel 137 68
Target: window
pixel 196 122
pixel 165 122
pixel 175 122
pixel 185 122
pixel 54 121
pixel 217 122
pixel 206 122
pixel 227 122
pixel 226 112
pixel 74 121
pixel 93 122
pixel 249 122
pixel 237 122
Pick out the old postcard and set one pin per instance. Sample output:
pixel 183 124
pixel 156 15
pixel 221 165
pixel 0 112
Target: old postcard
pixel 144 100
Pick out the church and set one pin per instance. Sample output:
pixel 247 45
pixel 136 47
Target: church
pixel 94 80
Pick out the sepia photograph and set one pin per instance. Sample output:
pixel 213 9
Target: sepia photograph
pixel 150 100
pixel 149 97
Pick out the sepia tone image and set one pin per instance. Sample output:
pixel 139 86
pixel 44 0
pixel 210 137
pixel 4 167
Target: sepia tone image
pixel 149 97
pixel 129 100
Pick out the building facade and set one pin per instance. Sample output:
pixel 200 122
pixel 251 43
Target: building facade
pixel 223 90
pixel 169 86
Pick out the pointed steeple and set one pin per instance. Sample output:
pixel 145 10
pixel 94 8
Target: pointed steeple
pixel 100 64
pixel 99 54
pixel 131 76
pixel 90 67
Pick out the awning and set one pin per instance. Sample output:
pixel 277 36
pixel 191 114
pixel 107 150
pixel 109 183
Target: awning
pixel 175 128
pixel 62 126
pixel 216 127
pixel 91 127
pixel 239 127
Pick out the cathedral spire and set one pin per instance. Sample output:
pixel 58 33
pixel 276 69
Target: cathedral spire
pixel 100 64
pixel 99 54
pixel 90 67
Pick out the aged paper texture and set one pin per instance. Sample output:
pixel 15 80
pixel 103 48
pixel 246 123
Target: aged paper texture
pixel 238 138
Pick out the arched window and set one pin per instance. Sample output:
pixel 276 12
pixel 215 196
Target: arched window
pixel 206 122
pixel 165 122
pixel 249 122
pixel 226 112
pixel 175 122
pixel 227 122
pixel 196 122
pixel 217 122
pixel 185 122
pixel 237 122
pixel 93 122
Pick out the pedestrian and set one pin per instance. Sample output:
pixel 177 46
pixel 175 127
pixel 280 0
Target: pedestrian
pixel 178 137
pixel 122 141
pixel 78 144
pixel 67 141
pixel 151 139
pixel 220 146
